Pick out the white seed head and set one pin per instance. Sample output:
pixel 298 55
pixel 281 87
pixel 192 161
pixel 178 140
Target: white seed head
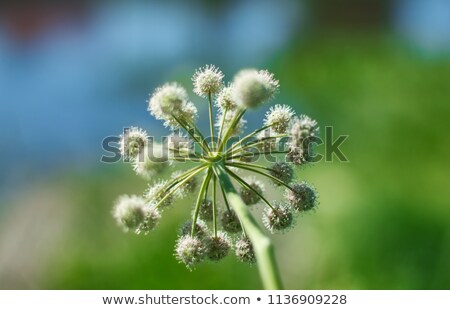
pixel 252 87
pixel 187 188
pixel 301 129
pixel 190 251
pixel 227 119
pixel 302 198
pixel 218 247
pixel 249 196
pixel 230 222
pixel 224 100
pixel 156 192
pixel 151 219
pixel 170 101
pixel 278 117
pixel 278 219
pixel 201 229
pixel 207 80
pixel 133 141
pixel 283 172
pixel 244 251
pixel 129 212
pixel 151 161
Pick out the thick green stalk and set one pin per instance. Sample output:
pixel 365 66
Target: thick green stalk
pixel 264 250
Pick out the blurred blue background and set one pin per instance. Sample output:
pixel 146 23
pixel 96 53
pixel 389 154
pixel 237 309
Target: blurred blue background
pixel 73 73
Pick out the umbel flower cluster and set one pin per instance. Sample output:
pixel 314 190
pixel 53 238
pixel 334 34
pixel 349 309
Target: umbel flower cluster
pixel 224 170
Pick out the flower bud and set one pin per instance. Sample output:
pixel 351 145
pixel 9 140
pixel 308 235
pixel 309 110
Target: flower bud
pixel 201 229
pixel 302 198
pixel 279 218
pixel 151 219
pixel 283 172
pixel 302 128
pixel 244 251
pixel 251 87
pixel 190 251
pixel 249 196
pixel 218 247
pixel 230 222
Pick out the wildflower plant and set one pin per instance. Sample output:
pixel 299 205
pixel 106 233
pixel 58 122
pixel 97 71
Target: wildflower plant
pixel 226 165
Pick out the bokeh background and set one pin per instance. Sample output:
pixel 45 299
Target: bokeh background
pixel 74 72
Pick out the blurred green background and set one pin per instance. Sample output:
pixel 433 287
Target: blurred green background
pixel 378 71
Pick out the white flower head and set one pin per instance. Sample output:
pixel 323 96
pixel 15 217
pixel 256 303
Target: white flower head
pixel 151 161
pixel 302 128
pixel 151 220
pixel 190 251
pixel 129 212
pixel 132 142
pixel 207 80
pixel 224 99
pixel 217 247
pixel 280 218
pixel 278 117
pixel 252 87
pixel 171 101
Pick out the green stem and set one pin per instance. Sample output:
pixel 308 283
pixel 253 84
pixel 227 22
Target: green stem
pixel 246 167
pixel 229 130
pixel 264 249
pixel 211 122
pixel 199 199
pixel 214 205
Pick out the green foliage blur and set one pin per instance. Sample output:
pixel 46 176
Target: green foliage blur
pixel 383 217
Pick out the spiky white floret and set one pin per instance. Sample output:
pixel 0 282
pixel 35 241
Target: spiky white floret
pixel 207 80
pixel 132 141
pixel 280 218
pixel 253 87
pixel 217 247
pixel 169 102
pixel 224 100
pixel 278 117
pixel 129 212
pixel 151 220
pixel 302 128
pixel 190 251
